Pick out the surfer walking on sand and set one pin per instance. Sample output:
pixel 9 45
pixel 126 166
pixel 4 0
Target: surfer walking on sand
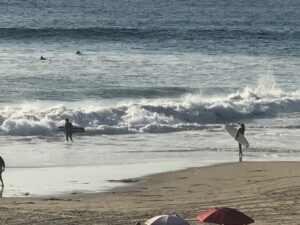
pixel 2 168
pixel 241 131
pixel 68 130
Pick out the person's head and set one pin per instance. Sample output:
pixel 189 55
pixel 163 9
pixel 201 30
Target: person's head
pixel 67 120
pixel 242 125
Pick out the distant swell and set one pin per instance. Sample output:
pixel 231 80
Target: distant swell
pixel 117 33
pixel 190 112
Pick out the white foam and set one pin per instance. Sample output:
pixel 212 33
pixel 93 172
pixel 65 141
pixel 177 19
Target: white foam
pixel 159 116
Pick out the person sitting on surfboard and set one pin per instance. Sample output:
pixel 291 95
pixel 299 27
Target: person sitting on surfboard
pixel 2 168
pixel 68 130
pixel 241 131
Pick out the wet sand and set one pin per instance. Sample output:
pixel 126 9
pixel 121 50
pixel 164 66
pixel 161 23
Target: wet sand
pixel 269 192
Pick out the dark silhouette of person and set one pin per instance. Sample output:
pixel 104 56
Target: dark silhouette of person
pixel 42 58
pixel 241 131
pixel 68 130
pixel 2 168
pixel 78 52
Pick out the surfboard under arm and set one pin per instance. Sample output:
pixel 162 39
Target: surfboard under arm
pixel 233 132
pixel 74 129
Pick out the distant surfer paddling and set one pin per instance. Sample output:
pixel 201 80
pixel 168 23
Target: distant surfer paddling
pixel 78 52
pixel 2 168
pixel 68 130
pixel 42 58
pixel 241 131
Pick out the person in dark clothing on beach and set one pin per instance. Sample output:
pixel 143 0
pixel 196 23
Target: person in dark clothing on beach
pixel 241 131
pixel 68 130
pixel 2 168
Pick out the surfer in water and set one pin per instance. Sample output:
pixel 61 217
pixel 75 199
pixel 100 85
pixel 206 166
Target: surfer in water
pixel 2 168
pixel 68 130
pixel 241 131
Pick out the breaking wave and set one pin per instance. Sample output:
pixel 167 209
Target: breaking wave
pixel 190 112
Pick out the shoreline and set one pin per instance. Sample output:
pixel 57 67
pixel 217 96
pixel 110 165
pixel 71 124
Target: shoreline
pixel 267 191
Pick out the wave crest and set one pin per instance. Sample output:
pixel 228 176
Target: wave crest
pixel 116 33
pixel 191 112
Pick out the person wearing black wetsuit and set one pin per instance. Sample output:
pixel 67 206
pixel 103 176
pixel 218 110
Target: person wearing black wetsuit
pixel 2 168
pixel 241 131
pixel 68 130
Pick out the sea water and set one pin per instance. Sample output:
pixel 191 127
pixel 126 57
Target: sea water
pixel 154 86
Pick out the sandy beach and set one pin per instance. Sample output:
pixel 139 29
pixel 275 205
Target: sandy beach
pixel 152 93
pixel 267 191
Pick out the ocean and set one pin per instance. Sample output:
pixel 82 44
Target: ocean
pixel 154 87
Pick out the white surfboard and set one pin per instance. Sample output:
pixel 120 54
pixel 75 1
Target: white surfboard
pixel 233 131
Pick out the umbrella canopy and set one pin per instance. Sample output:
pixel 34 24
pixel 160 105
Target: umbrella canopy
pixel 224 215
pixel 166 220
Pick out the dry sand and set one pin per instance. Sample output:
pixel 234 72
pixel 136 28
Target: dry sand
pixel 267 191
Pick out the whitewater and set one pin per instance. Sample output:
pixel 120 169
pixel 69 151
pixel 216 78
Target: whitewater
pixel 153 90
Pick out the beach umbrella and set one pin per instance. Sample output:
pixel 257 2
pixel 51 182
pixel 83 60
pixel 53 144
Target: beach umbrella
pixel 166 220
pixel 224 215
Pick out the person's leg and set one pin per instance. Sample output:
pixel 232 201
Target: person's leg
pixel 1 179
pixel 240 153
pixel 240 150
pixel 71 137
